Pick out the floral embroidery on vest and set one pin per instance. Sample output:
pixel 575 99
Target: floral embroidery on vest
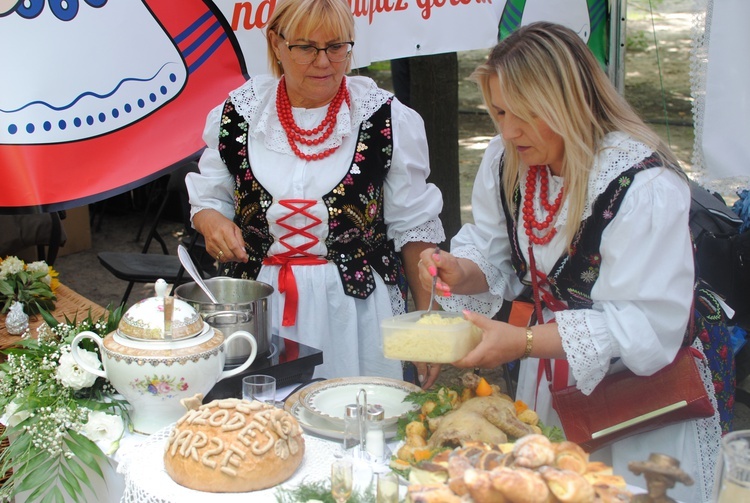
pixel 357 241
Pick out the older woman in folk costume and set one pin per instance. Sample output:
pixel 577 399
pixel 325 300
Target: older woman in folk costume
pixel 577 188
pixel 314 182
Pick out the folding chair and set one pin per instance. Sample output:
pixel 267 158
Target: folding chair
pixel 145 267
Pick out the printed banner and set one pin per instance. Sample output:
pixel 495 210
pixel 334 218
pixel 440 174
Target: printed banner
pixel 101 96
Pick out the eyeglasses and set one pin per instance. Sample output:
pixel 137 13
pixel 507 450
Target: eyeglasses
pixel 304 54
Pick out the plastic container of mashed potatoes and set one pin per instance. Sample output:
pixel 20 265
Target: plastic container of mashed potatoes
pixel 440 337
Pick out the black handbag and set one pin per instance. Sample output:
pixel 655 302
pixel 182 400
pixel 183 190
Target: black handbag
pixel 722 254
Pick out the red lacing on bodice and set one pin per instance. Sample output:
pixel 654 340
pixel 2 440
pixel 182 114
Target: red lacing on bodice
pixel 294 255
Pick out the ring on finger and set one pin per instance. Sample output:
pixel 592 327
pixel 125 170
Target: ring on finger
pixel 220 254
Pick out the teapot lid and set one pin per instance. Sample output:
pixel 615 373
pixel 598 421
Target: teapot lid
pixel 146 320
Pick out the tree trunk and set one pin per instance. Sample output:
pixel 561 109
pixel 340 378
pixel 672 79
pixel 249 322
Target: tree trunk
pixel 434 94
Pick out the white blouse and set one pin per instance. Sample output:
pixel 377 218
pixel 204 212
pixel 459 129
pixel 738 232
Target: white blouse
pixel 327 319
pixel 643 292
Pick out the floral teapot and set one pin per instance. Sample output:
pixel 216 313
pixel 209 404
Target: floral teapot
pixel 161 353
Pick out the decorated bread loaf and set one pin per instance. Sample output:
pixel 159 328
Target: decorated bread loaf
pixel 234 446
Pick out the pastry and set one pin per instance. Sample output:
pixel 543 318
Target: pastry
pixel 571 456
pixel 568 486
pixel 533 451
pixel 520 485
pixel 431 493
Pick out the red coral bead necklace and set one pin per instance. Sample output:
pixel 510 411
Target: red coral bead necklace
pixel 296 135
pixel 530 223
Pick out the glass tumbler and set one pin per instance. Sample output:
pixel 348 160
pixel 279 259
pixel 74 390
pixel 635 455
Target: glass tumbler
pixel 259 387
pixel 733 469
pixel 387 489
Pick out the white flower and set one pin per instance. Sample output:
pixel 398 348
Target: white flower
pixel 104 428
pixel 11 265
pixel 14 417
pixel 70 374
pixel 38 266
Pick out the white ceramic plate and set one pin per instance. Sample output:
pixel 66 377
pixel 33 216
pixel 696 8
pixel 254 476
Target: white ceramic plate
pixel 328 399
pixel 317 425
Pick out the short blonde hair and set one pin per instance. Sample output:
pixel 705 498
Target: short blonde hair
pixel 299 18
pixel 547 72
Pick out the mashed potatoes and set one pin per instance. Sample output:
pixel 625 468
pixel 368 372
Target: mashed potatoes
pixel 438 337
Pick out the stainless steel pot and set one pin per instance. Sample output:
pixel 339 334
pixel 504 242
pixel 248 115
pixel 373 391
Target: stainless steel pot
pixel 243 305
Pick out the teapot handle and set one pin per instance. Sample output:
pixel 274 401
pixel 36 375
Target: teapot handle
pixel 74 351
pixel 250 359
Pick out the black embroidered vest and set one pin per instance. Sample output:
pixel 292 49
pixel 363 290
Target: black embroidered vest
pixel 356 241
pixel 574 274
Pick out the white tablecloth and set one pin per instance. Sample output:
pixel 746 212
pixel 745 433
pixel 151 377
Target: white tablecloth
pixel 146 480
pixel 141 465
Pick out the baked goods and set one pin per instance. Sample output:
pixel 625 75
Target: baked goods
pixel 534 471
pixel 234 446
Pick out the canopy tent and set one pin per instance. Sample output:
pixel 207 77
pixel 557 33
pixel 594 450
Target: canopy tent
pixel 721 154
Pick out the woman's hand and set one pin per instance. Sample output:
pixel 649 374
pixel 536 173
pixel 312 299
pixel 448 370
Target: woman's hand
pixel 223 238
pixel 427 373
pixel 501 343
pixel 441 264
pixel 455 275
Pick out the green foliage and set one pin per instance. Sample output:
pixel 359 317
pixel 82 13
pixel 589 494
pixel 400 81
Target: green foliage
pixel 28 288
pixel 439 396
pixel 46 445
pixel 320 491
pixel 380 66
pixel 554 433
pixel 637 41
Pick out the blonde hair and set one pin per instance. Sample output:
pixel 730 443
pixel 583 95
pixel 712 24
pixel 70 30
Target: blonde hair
pixel 299 18
pixel 546 72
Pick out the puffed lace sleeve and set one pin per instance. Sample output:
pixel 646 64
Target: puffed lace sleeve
pixel 412 206
pixel 485 242
pixel 213 186
pixel 643 294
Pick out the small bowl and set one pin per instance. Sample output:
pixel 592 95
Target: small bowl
pixel 441 337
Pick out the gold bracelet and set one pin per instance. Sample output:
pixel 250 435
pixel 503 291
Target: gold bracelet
pixel 529 343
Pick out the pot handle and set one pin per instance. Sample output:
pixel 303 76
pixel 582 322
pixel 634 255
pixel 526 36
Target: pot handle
pixel 250 359
pixel 74 351
pixel 242 317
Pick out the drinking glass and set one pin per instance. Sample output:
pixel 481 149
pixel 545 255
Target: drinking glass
pixel 341 480
pixel 259 387
pixel 733 469
pixel 387 488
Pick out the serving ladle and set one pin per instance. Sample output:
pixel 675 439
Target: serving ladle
pixel 187 262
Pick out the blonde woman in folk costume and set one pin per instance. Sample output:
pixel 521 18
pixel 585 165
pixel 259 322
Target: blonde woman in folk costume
pixel 315 182
pixel 577 186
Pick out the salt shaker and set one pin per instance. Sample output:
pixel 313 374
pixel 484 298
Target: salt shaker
pixel 375 437
pixel 351 437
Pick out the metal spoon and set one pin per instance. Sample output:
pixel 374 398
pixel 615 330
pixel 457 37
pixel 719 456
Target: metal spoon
pixel 432 290
pixel 187 262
